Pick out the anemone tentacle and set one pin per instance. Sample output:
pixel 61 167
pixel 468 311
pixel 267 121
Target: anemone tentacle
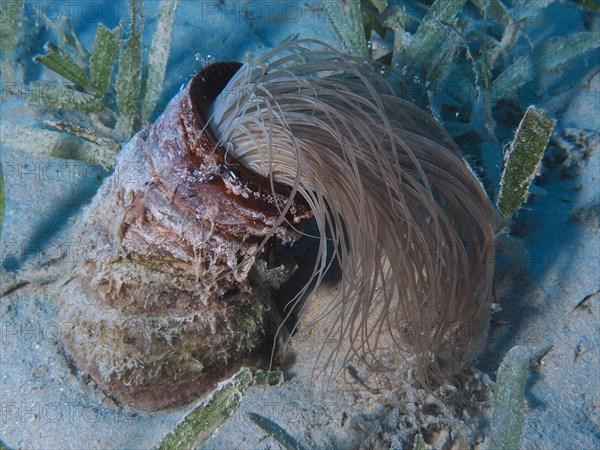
pixel 411 225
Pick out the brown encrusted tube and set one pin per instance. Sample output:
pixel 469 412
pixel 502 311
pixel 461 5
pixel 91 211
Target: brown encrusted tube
pixel 164 297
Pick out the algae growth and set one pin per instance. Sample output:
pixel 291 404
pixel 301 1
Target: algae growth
pixel 481 55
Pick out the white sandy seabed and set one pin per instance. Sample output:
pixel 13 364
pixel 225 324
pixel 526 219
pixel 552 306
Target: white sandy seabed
pixel 44 404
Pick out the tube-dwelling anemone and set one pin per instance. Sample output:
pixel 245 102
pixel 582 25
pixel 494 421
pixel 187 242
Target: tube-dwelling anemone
pixel 171 291
pixel 411 225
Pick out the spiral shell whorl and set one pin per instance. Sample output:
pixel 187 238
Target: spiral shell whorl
pixel 162 298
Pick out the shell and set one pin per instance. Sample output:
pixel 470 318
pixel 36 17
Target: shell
pixel 169 292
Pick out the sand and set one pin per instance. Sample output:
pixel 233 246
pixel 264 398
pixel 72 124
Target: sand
pixel 547 285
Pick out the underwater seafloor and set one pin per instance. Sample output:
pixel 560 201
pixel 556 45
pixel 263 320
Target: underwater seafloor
pixel 547 283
